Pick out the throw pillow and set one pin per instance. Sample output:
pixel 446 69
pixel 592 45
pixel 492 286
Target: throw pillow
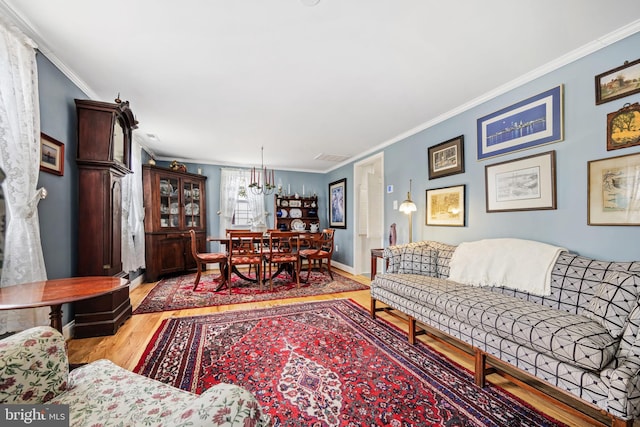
pixel 613 301
pixel 418 260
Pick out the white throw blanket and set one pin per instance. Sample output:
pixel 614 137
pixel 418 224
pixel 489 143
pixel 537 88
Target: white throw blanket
pixel 519 264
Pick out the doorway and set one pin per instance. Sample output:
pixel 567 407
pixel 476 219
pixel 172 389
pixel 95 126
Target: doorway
pixel 369 211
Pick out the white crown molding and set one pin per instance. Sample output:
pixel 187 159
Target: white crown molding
pixel 554 65
pixel 27 28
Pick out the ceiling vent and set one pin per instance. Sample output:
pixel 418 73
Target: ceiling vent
pixel 331 157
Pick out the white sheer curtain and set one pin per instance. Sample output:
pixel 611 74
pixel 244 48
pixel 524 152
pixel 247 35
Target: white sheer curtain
pixel 229 184
pixel 20 161
pixel 133 214
pixel 256 204
pixel 230 181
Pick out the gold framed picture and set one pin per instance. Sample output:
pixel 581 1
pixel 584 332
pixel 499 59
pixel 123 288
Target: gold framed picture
pixel 445 206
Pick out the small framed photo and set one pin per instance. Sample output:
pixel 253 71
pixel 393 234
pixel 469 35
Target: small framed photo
pixel 623 127
pixel 446 158
pixel 51 155
pixel 613 197
pixel 445 206
pixel 535 121
pixel 338 204
pixel 618 82
pixel 525 184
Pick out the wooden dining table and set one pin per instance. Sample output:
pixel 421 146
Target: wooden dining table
pixel 56 292
pixel 224 241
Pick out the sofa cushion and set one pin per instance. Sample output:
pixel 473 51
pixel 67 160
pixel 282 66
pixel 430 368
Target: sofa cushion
pixel 418 260
pixel 613 301
pixel 571 338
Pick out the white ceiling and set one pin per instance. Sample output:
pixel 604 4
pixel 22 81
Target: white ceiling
pixel 215 80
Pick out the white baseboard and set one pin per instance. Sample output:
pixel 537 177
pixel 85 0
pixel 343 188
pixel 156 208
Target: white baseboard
pixel 136 282
pixel 67 330
pixel 342 267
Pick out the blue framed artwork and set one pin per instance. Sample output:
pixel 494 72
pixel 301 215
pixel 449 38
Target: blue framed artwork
pixel 526 124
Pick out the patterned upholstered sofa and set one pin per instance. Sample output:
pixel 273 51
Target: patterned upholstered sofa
pixel 34 370
pixel 582 338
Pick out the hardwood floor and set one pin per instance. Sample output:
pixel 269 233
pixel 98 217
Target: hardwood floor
pixel 126 347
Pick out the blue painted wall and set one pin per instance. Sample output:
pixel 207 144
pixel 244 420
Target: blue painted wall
pixel 58 213
pixel 584 140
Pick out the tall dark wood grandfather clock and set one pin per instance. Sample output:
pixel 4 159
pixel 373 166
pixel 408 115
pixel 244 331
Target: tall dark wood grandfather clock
pixel 104 157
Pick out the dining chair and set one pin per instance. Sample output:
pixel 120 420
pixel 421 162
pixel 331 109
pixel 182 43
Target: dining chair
pixel 321 248
pixel 208 258
pixel 245 248
pixel 284 252
pixel 228 230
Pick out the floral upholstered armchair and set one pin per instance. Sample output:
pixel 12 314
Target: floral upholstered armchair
pixel 34 369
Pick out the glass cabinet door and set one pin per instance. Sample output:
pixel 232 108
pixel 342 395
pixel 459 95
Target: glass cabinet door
pixel 169 202
pixel 192 204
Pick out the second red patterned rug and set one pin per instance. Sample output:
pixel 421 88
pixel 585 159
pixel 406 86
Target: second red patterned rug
pixel 176 293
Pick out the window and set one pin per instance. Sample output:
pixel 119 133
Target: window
pixel 242 211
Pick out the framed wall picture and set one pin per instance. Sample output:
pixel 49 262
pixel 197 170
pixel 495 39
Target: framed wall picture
pixel 51 155
pixel 535 121
pixel 618 82
pixel 623 127
pixel 445 206
pixel 338 204
pixel 446 158
pixel 613 197
pixel 525 184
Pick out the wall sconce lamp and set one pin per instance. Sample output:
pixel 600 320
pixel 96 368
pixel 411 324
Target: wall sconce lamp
pixel 408 207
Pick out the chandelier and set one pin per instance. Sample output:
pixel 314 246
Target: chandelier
pixel 262 180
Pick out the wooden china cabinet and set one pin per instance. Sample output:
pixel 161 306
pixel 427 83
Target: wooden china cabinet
pixel 103 158
pixel 174 203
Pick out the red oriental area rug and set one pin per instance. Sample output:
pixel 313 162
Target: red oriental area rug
pixel 176 293
pixel 327 364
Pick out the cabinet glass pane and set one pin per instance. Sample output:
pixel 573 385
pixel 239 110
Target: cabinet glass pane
pixel 192 205
pixel 169 203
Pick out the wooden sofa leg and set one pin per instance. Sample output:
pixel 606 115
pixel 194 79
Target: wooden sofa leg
pixel 373 308
pixel 481 359
pixel 412 330
pixel 617 422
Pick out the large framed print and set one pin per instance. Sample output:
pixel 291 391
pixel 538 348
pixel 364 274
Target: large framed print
pixel 445 206
pixel 338 204
pixel 446 158
pixel 618 82
pixel 613 195
pixel 525 184
pixel 535 121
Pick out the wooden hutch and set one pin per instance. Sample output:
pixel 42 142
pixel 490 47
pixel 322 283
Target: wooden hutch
pixel 292 212
pixel 174 203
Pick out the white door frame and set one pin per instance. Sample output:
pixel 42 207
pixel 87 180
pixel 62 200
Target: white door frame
pixel 360 265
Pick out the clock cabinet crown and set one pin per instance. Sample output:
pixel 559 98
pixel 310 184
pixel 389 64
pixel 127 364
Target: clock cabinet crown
pixel 104 134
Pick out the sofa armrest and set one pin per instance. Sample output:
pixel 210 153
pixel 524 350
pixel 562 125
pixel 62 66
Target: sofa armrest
pixel 33 366
pixel 623 380
pixel 624 388
pixel 393 254
pixel 222 405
